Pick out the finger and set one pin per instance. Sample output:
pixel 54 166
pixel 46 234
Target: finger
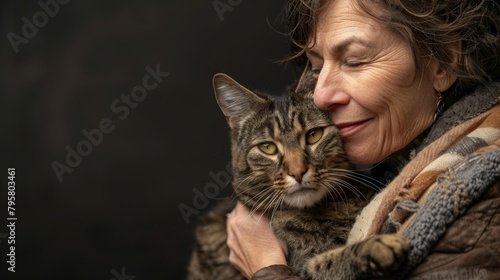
pixel 236 257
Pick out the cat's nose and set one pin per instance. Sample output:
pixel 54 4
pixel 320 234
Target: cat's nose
pixel 294 164
pixel 297 170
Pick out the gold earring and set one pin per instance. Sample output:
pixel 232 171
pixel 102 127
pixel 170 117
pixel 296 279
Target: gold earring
pixel 439 105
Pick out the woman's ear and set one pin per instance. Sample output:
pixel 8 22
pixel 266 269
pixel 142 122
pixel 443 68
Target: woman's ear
pixel 443 79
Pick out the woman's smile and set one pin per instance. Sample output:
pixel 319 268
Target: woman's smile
pixel 349 128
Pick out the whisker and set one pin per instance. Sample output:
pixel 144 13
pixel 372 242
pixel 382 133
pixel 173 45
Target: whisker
pixel 363 179
pixel 327 188
pixel 335 189
pixel 266 209
pixel 344 185
pixel 371 167
pixel 278 206
pixel 277 196
pixel 358 173
pixel 264 191
pixel 259 202
pixel 242 182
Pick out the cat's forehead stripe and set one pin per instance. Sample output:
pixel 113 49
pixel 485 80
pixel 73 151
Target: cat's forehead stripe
pixel 279 122
pixel 272 129
pixel 299 121
pixel 288 117
pixel 281 125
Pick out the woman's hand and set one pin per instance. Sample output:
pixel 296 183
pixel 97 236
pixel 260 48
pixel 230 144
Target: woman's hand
pixel 252 242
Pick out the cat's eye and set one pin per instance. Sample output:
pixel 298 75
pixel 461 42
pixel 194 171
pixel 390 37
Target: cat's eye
pixel 268 148
pixel 314 135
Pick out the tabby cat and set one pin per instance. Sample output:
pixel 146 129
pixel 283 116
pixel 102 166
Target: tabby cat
pixel 288 162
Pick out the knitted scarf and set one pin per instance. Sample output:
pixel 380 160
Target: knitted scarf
pixel 450 170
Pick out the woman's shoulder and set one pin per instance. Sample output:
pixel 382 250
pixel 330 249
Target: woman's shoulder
pixel 470 245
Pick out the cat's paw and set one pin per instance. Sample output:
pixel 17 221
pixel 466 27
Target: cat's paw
pixel 375 256
pixel 383 253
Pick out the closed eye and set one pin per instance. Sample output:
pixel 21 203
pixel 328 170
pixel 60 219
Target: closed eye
pixel 354 64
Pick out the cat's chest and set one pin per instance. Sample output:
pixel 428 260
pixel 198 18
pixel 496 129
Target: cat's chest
pixel 327 226
pixel 307 233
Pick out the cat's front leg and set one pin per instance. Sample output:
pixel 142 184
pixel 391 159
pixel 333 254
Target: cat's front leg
pixel 375 256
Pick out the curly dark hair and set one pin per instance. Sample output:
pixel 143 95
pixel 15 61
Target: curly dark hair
pixel 431 27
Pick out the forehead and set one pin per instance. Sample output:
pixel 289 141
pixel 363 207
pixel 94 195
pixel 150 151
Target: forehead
pixel 343 21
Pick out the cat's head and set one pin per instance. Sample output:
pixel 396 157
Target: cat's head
pixel 285 151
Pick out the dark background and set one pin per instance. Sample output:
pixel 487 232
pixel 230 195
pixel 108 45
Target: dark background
pixel 116 214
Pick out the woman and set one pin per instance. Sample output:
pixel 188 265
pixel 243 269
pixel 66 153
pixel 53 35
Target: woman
pixel 410 84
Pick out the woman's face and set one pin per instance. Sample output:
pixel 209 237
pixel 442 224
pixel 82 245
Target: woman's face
pixel 366 80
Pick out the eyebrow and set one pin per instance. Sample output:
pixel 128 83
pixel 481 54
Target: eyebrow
pixel 350 41
pixel 342 46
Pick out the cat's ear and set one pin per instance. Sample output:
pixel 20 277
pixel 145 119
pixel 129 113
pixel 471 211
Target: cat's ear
pixel 306 82
pixel 234 100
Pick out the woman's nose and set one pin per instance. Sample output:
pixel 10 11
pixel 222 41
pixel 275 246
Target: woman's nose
pixel 330 90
